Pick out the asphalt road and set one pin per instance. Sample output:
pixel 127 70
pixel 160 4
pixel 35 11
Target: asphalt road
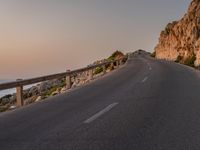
pixel 146 105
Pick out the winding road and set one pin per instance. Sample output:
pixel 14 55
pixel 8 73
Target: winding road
pixel 147 104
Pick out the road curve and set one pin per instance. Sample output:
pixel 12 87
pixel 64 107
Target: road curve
pixel 146 105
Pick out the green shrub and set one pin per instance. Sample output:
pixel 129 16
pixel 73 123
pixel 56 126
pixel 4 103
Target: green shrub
pixel 49 92
pixel 190 61
pixel 98 70
pixel 115 54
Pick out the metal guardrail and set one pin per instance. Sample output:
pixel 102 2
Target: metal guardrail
pixel 68 74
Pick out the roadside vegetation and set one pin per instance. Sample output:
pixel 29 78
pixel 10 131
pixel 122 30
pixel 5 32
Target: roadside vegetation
pixel 190 61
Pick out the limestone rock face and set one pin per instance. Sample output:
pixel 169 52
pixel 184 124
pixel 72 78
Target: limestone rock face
pixel 181 39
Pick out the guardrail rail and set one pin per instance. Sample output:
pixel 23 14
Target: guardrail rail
pixel 20 83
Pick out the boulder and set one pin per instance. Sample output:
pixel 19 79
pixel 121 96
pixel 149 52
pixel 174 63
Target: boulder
pixel 30 100
pixel 55 93
pixel 33 90
pixel 39 98
pixel 44 86
pixel 5 101
pixel 47 85
pixel 12 107
pixel 63 90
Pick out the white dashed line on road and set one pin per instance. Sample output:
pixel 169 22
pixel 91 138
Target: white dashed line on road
pixel 150 68
pixel 97 115
pixel 145 79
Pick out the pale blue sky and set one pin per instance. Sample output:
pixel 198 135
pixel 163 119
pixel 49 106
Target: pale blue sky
pixel 48 36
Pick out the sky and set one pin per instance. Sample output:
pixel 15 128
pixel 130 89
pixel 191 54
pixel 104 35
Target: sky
pixel 39 37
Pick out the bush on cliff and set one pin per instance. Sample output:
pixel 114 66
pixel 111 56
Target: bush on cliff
pixel 190 61
pixel 50 91
pixel 116 55
pixel 98 70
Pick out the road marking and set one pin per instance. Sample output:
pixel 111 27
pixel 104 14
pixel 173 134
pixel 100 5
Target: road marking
pixel 149 66
pixel 145 79
pixel 97 115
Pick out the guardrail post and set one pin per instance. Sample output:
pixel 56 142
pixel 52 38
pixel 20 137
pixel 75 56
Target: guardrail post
pixel 91 74
pixel 19 95
pixel 68 80
pixel 121 62
pixel 112 66
pixel 104 69
pixel 117 63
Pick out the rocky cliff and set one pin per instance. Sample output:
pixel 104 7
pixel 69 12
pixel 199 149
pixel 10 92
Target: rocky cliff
pixel 180 41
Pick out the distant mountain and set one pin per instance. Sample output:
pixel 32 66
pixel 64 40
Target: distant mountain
pixel 180 41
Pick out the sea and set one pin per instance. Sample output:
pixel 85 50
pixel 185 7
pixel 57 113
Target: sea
pixel 10 91
pixel 5 92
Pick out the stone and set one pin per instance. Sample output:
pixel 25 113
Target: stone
pixel 44 86
pixel 55 93
pixel 63 90
pixel 30 100
pixel 39 98
pixel 33 90
pixel 12 107
pixel 5 101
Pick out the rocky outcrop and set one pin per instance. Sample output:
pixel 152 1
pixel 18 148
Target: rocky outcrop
pixel 180 41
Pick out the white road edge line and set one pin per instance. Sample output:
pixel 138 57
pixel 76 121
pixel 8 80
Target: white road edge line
pixel 97 115
pixel 145 79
